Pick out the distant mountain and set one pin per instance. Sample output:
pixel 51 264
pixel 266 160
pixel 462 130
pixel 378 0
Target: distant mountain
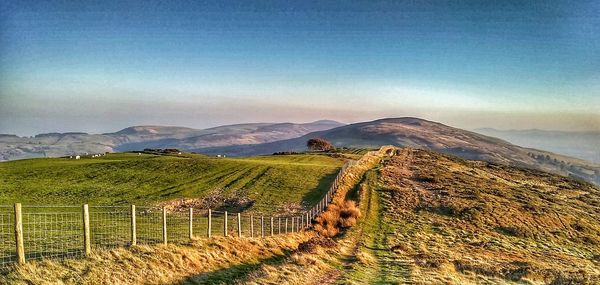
pixel 419 133
pixel 584 145
pixel 139 137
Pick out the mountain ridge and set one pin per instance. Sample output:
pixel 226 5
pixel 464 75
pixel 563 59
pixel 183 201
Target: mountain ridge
pixel 143 136
pixel 419 133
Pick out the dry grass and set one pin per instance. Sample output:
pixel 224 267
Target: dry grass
pixel 464 222
pixel 341 213
pixel 214 261
pixel 315 262
pixel 336 218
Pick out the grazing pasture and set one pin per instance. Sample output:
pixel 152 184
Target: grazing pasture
pixel 265 183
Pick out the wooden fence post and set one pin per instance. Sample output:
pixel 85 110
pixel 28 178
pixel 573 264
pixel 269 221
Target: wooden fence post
pixel 133 226
pixel 225 224
pixel 271 225
pixel 252 226
pixel 191 223
pixel 262 226
pixel 164 224
pixel 239 220
pixel 208 231
pixel 19 234
pixel 87 247
pixel 307 221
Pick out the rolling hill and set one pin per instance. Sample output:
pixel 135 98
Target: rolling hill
pixel 452 219
pixel 426 218
pixel 262 138
pixel 139 137
pixel 267 184
pixel 429 218
pixel 415 132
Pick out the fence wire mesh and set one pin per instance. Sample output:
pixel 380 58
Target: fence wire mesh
pixel 178 227
pixel 149 225
pixel 7 235
pixel 200 226
pixel 52 232
pixel 218 223
pixel 110 226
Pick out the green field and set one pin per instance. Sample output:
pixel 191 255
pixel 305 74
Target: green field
pixel 125 178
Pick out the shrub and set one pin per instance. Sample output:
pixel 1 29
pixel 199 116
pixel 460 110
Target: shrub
pixel 319 144
pixel 335 218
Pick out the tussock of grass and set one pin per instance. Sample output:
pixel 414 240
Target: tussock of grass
pixel 341 213
pixel 336 218
pixel 215 261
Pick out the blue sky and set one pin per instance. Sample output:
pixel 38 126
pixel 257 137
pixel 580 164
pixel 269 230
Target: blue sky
pixel 101 66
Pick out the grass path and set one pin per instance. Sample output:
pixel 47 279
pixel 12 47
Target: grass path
pixel 367 256
pixel 364 254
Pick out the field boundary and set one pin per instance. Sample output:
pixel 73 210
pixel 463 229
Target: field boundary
pixel 34 232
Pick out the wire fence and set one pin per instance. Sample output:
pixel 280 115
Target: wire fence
pixel 39 232
pixel 60 232
pixel 7 236
pixel 110 226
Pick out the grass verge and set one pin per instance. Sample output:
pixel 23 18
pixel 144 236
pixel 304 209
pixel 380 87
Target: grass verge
pixel 214 261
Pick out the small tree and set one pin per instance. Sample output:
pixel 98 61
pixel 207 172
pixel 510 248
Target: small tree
pixel 319 144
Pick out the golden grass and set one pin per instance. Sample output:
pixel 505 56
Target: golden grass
pixel 172 264
pixel 341 213
pixel 317 264
pixel 464 222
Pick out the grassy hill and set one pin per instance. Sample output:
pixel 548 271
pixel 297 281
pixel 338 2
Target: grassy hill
pixel 262 183
pixel 444 220
pixel 419 133
pixel 429 218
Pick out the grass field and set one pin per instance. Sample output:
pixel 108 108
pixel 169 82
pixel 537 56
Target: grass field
pixel 269 182
pixel 279 185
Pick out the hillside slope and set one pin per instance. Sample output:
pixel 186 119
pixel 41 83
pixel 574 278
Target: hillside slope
pixel 262 183
pixel 419 133
pixel 139 137
pixel 471 222
pixel 429 218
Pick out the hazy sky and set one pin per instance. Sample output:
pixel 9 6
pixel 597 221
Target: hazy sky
pixel 102 66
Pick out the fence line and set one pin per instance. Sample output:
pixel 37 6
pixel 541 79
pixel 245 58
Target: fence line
pixel 33 232
pixel 74 231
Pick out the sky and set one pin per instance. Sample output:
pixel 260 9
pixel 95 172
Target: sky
pixel 100 66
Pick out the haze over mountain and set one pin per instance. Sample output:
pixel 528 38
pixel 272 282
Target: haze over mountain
pixel 584 145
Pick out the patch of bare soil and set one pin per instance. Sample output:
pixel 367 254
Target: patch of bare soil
pixel 217 199
pixel 290 208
